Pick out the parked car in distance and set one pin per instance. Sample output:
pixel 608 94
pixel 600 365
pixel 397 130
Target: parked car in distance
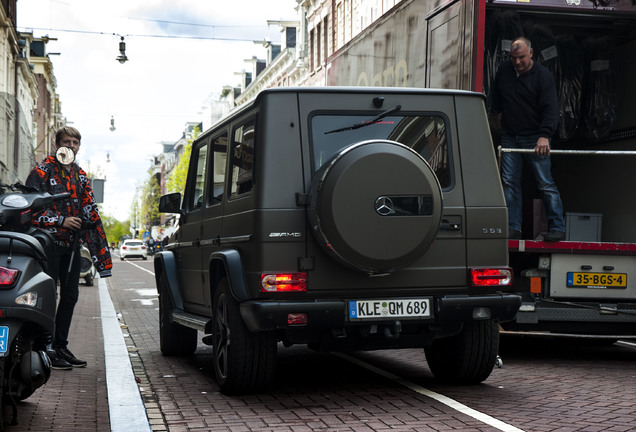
pixel 133 248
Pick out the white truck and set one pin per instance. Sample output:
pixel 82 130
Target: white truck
pixel 585 285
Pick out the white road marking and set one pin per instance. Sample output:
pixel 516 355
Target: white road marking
pixel 622 342
pixel 141 268
pixel 457 406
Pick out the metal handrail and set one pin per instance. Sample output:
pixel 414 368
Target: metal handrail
pixel 501 150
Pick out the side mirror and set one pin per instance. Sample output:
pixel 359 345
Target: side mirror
pixel 170 203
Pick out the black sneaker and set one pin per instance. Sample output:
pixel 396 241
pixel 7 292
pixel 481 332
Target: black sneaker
pixel 57 362
pixel 554 236
pixel 67 355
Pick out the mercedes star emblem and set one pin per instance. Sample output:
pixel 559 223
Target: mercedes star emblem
pixel 384 206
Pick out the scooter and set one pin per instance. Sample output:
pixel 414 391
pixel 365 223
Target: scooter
pixel 27 295
pixel 87 269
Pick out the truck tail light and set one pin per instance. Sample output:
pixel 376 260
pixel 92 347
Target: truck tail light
pixel 491 276
pixel 8 277
pixel 283 282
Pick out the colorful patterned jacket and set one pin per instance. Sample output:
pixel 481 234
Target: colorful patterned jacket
pixel 50 176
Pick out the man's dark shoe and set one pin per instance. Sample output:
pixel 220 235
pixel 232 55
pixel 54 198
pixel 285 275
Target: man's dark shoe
pixel 514 234
pixel 554 236
pixel 67 355
pixel 57 362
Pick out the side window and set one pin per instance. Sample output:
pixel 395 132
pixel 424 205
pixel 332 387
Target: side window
pixel 219 159
pixel 198 182
pixel 242 162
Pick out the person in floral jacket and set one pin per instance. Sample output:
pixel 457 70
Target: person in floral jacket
pixel 63 220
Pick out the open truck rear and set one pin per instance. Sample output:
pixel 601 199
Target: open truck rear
pixel 586 284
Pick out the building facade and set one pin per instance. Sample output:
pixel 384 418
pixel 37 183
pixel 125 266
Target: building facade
pixel 29 106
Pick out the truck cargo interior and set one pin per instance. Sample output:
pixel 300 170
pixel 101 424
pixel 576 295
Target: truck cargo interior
pixel 591 56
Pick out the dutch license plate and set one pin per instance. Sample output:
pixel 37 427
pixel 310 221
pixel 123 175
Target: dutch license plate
pixel 4 339
pixel 394 308
pixel 596 280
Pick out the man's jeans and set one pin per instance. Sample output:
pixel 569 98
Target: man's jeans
pixel 512 173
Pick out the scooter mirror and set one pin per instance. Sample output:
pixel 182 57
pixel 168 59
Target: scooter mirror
pixel 65 155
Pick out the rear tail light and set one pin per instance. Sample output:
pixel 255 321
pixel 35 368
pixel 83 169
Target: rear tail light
pixel 143 247
pixel 491 276
pixel 283 282
pixel 8 277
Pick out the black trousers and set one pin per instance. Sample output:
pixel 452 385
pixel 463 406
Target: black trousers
pixel 69 292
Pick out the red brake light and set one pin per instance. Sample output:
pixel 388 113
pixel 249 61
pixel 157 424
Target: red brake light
pixel 143 247
pixel 491 276
pixel 283 282
pixel 8 277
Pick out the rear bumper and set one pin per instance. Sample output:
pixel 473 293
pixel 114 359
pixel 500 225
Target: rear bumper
pixel 265 315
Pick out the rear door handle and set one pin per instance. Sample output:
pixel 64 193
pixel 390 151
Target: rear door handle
pixel 450 226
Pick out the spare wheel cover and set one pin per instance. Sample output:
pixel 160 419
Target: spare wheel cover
pixel 376 206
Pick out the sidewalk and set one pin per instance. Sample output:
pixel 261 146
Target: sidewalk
pixel 101 397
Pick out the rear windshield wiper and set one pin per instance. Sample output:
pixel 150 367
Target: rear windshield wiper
pixel 374 120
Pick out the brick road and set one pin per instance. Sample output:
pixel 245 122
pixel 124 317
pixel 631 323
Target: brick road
pixel 544 386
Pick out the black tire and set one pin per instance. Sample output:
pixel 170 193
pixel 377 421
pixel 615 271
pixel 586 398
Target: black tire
pixel 376 206
pixel 244 361
pixel 466 358
pixel 174 339
pixel 89 280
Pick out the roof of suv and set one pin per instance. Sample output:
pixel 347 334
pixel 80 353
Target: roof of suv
pixel 342 89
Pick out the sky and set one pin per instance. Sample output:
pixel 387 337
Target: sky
pixel 181 54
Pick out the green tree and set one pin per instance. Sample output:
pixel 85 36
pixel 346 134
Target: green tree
pixel 114 228
pixel 134 213
pixel 149 203
pixel 176 181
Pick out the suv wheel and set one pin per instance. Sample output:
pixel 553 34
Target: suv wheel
pixel 376 206
pixel 243 361
pixel 174 339
pixel 468 357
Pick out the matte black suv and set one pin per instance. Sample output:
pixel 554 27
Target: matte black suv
pixel 344 219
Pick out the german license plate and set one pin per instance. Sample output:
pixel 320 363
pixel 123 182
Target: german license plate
pixel 4 339
pixel 597 280
pixel 386 309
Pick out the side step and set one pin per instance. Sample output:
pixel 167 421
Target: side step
pixel 189 320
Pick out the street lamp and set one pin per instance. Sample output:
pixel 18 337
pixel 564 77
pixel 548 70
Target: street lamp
pixel 121 58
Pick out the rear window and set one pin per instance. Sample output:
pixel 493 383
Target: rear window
pixel 426 134
pixel 133 243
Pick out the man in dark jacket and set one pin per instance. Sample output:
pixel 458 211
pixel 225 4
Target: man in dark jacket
pixel 525 100
pixel 64 221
